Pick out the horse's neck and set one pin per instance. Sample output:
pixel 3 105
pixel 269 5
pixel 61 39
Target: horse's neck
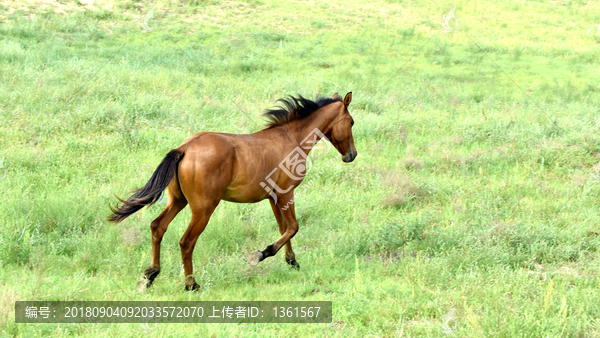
pixel 306 131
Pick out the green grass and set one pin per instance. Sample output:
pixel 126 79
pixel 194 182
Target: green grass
pixel 471 210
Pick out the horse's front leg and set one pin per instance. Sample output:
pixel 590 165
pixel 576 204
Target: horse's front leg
pixel 285 204
pixel 290 257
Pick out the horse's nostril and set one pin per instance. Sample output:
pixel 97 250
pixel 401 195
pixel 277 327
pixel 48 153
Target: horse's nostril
pixel 349 157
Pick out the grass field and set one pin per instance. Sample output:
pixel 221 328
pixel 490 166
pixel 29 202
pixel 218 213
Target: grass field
pixel 471 210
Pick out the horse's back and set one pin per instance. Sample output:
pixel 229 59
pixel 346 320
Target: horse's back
pixel 229 164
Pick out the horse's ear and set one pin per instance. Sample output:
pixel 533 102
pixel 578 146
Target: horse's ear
pixel 348 99
pixel 336 96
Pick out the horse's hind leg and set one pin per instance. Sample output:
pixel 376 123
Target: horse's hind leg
pixel 200 216
pixel 175 203
pixel 290 257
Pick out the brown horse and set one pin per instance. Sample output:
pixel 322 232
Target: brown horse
pixel 210 167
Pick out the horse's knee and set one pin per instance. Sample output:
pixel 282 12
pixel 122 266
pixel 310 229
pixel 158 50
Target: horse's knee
pixel 157 231
pixel 292 229
pixel 184 244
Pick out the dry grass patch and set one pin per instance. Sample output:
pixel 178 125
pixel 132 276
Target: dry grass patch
pixel 30 7
pixel 8 297
pixel 455 160
pixel 403 188
pixel 132 236
pixel 579 179
pixel 412 163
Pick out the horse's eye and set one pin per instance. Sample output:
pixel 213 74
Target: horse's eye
pixel 352 123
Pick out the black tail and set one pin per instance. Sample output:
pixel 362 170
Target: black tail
pixel 150 193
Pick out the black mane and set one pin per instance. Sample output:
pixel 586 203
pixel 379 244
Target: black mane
pixel 293 108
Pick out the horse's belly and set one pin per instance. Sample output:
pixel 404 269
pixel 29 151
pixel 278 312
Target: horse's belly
pixel 234 194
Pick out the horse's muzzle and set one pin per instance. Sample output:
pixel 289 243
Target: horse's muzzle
pixel 350 156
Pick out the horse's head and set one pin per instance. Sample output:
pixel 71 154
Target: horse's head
pixel 340 133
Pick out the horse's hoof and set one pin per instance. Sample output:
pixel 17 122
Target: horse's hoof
pixel 143 285
pixel 146 281
pixel 194 287
pixel 255 258
pixel 293 263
